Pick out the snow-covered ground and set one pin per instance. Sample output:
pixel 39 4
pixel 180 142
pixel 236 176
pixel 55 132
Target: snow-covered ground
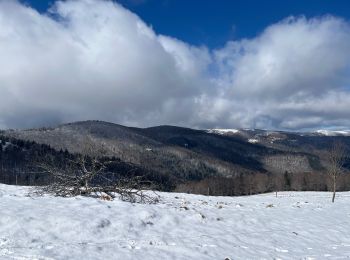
pixel 298 225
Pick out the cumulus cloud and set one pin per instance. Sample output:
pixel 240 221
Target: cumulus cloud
pixel 296 74
pixel 91 59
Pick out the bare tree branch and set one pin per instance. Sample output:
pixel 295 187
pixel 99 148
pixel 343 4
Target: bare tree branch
pixel 85 175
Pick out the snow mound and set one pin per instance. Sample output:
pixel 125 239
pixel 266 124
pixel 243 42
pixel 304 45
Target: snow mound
pixel 295 225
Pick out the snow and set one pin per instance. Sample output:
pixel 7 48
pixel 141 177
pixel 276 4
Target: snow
pixel 223 131
pixel 7 144
pixel 295 225
pixel 253 141
pixel 269 133
pixel 333 133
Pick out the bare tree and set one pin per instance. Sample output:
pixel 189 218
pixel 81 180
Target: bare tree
pixel 277 183
pixel 336 159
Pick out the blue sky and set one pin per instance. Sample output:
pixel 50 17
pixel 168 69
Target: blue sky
pixel 214 22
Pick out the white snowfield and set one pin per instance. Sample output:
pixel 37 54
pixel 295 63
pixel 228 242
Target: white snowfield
pixel 297 225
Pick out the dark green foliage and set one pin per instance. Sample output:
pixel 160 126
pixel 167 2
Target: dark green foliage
pixel 287 182
pixel 315 163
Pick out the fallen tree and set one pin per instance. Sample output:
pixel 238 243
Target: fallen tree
pixel 85 175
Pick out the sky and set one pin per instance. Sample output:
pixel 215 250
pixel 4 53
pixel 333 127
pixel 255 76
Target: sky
pixel 213 23
pixel 204 64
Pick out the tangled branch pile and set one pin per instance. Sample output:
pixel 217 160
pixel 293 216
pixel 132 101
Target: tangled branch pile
pixel 89 176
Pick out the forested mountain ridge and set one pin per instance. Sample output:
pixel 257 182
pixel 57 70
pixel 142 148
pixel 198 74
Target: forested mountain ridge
pixel 185 154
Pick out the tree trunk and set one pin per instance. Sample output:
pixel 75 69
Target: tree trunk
pixel 86 186
pixel 334 188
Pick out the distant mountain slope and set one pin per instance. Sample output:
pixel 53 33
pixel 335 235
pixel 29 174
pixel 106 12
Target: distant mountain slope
pixel 187 153
pixel 183 153
pixel 21 163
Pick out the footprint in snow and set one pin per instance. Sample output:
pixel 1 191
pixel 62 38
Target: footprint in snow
pixel 3 250
pixel 3 241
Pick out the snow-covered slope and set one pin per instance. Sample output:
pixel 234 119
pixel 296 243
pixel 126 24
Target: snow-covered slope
pixel 300 225
pixel 333 133
pixel 223 131
pixel 322 132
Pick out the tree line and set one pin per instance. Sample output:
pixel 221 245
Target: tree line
pixel 254 183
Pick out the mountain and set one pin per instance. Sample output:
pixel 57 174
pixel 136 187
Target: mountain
pixel 180 152
pixel 333 132
pixel 188 153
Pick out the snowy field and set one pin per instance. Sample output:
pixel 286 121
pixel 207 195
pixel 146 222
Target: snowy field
pixel 298 225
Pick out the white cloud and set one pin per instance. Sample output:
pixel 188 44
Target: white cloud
pixel 295 71
pixel 91 59
pixel 94 59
